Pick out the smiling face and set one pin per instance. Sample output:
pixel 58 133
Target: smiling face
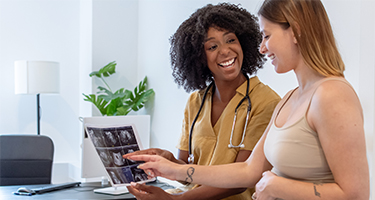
pixel 279 45
pixel 224 54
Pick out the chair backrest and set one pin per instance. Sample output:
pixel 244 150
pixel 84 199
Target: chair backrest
pixel 25 159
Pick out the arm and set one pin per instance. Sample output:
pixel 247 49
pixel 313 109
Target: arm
pixel 236 175
pixel 205 192
pixel 336 115
pixel 246 173
pixel 146 192
pixel 208 193
pixel 258 123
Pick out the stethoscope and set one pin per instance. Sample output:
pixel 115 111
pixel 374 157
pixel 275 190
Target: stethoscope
pixel 230 145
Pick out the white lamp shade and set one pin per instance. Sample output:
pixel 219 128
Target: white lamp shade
pixel 34 77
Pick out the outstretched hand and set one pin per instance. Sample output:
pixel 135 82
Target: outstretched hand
pixel 153 151
pixel 146 192
pixel 157 166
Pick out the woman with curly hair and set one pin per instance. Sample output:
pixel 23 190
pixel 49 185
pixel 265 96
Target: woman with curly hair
pixel 213 53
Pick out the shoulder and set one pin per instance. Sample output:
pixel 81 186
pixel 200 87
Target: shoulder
pixel 334 101
pixel 195 99
pixel 333 91
pixel 196 95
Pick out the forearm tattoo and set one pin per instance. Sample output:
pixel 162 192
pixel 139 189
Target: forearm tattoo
pixel 190 172
pixel 315 190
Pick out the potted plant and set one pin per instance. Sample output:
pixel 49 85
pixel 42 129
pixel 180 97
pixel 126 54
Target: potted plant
pixel 122 101
pixel 114 106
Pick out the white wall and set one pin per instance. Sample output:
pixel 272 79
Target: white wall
pixel 87 34
pixel 114 38
pixel 42 30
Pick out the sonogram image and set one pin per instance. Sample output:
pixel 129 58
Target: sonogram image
pixel 139 174
pixel 111 143
pixel 117 176
pixel 96 137
pixel 110 137
pixel 131 149
pixel 116 154
pixel 105 156
pixel 128 174
pixel 126 136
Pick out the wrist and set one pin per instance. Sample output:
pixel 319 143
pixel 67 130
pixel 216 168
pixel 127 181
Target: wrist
pixel 179 172
pixel 273 183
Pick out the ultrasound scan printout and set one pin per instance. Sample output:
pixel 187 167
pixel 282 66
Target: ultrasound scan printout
pixel 111 142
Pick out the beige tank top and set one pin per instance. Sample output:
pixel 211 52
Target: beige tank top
pixel 295 151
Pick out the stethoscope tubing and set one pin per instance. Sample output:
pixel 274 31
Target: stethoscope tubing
pixel 191 155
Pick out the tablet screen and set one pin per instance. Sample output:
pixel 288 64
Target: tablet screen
pixel 113 141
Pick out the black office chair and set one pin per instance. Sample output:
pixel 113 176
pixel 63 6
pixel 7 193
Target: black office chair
pixel 25 159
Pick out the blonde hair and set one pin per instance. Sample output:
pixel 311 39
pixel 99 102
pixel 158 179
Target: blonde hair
pixel 312 29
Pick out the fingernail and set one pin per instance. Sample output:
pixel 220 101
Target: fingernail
pixel 133 184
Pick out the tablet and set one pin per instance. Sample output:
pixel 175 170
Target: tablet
pixel 113 141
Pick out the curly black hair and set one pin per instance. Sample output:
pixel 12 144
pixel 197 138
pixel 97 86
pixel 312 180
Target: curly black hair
pixel 187 53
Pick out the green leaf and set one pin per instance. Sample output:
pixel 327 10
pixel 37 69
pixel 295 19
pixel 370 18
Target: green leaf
pixel 131 96
pixel 143 84
pixel 112 107
pixel 105 71
pixel 109 96
pixel 124 110
pixel 100 103
pixel 140 96
pixel 141 99
pixel 122 101
pixel 103 89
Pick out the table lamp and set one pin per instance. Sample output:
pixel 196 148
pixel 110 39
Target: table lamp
pixel 36 77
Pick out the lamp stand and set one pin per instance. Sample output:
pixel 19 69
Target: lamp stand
pixel 37 114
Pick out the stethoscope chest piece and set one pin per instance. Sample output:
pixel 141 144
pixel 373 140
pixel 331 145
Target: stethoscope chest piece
pixel 191 158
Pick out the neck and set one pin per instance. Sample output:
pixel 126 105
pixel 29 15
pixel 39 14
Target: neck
pixel 306 77
pixel 225 90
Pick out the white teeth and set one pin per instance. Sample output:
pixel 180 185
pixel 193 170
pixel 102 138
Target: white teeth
pixel 272 57
pixel 225 64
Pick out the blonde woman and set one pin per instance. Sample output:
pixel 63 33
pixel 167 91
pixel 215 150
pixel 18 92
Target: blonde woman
pixel 314 146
